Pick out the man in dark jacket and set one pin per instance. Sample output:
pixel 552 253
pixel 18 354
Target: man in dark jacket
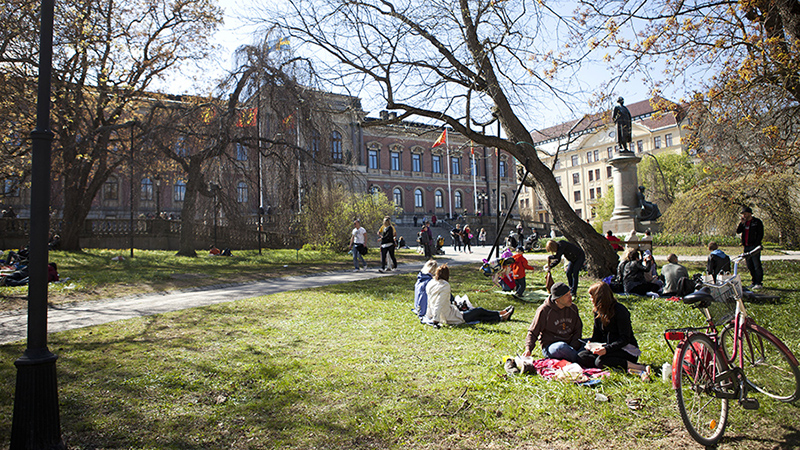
pixel 752 231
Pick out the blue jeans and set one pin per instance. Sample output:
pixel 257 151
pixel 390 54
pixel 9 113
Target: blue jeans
pixel 560 350
pixel 357 256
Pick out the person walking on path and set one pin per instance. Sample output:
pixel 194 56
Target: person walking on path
pixel 575 260
pixel 752 231
pixel 358 240
pixel 387 235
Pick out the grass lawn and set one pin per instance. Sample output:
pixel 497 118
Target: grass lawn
pixel 349 366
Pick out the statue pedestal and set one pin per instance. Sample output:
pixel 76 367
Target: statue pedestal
pixel 626 185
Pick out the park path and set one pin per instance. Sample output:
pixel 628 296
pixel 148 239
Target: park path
pixel 13 324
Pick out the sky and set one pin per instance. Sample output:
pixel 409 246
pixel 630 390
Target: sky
pixel 237 31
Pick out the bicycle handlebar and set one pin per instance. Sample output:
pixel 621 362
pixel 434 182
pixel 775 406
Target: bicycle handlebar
pixel 747 254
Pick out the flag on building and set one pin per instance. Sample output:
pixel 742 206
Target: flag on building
pixel 283 44
pixel 247 117
pixel 442 139
pixel 208 115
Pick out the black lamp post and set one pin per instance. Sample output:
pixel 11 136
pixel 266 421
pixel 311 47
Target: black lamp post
pixel 36 423
pixel 132 124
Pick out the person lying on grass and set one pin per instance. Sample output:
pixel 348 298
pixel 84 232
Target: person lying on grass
pixel 442 310
pixel 613 344
pixel 558 326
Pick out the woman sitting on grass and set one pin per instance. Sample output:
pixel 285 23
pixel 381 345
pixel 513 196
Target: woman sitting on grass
pixel 613 343
pixel 441 309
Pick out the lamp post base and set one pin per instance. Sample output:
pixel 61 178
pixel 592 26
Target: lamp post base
pixel 36 423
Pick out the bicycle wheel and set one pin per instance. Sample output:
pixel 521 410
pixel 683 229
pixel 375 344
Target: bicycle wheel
pixel 703 413
pixel 767 366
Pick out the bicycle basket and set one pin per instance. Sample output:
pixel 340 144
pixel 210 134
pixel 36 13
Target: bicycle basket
pixel 725 292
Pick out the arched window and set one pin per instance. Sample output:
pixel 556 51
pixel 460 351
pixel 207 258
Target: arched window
pixel 179 191
pixel 438 197
pixel 241 152
pixel 503 202
pixel 111 189
pixel 397 195
pixel 241 192
pixel 336 146
pixel 457 201
pixel 418 199
pixel 146 189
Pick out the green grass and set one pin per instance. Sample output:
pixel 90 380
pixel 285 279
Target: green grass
pixel 349 366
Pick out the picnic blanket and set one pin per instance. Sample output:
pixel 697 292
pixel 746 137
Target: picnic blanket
pixel 531 296
pixel 563 370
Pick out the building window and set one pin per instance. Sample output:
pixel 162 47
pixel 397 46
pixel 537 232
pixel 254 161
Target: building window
pixel 336 146
pixel 241 152
pixel 579 212
pixel 314 146
pixel 668 140
pixel 576 178
pixel 503 202
pixel 596 155
pixel 597 174
pixel 502 168
pixel 591 175
pixel 241 192
pixel 111 189
pixel 557 165
pixel 180 147
pixel 438 199
pixel 394 157
pixel 599 192
pixel 610 152
pixel 416 162
pixel 558 181
pixel 397 196
pixel 372 159
pixel 657 142
pixel 588 157
pixel 577 196
pixel 575 161
pixel 10 188
pixel 591 193
pixel 418 198
pixel 437 164
pixel 640 146
pixel 457 202
pixel 146 192
pixel 179 191
pixel 609 172
pixel 455 165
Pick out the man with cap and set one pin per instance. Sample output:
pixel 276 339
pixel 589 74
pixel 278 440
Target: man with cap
pixel 752 231
pixel 557 325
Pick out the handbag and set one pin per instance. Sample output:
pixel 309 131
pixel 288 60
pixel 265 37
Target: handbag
pixel 362 248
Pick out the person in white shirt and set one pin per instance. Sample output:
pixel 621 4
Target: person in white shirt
pixel 357 245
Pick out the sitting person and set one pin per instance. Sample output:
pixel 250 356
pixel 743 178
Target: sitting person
pixel 614 241
pixel 504 277
pixel 214 251
pixel 613 332
pixel 442 310
pixel 652 275
pixel 634 279
pixel 557 325
pixel 424 276
pixel 673 272
pixel 718 261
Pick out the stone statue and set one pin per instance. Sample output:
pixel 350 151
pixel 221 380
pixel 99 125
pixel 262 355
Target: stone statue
pixel 649 210
pixel 622 117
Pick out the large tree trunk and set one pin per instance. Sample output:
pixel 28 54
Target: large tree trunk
pixel 78 199
pixel 195 185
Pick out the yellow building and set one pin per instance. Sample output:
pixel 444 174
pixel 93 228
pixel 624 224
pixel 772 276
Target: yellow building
pixel 578 153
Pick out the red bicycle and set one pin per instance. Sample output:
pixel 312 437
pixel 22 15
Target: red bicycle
pixel 711 368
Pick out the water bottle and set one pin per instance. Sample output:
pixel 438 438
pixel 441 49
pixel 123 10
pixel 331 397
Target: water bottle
pixel 666 372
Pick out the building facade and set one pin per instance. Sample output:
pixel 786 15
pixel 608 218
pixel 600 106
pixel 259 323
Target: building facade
pixel 578 153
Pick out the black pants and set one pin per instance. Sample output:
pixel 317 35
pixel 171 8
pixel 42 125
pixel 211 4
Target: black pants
pixel 390 251
pixel 754 265
pixel 481 315
pixel 617 359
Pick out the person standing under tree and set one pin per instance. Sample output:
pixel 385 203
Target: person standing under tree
pixel 358 238
pixel 752 231
pixel 575 260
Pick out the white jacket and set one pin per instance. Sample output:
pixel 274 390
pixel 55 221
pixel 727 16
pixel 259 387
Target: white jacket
pixel 439 307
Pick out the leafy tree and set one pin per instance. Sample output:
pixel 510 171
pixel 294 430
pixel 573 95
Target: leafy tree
pixel 667 175
pixel 106 57
pixel 450 63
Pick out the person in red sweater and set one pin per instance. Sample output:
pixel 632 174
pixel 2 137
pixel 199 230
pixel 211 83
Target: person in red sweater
pixel 519 266
pixel 615 241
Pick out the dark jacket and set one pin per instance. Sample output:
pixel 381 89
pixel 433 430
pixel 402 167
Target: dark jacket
pixel 633 275
pixel 718 262
pixel 619 331
pixel 752 232
pixel 567 249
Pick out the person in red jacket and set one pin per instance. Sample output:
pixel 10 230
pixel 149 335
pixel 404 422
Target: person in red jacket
pixel 520 264
pixel 615 241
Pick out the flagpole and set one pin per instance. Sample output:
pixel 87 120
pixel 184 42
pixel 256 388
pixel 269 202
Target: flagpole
pixel 448 162
pixel 474 180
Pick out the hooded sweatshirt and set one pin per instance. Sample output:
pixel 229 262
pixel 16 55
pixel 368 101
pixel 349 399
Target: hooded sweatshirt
pixel 555 324
pixel 420 294
pixel 440 309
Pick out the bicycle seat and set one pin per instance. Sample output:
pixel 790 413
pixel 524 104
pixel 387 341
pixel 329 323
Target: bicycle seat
pixel 700 298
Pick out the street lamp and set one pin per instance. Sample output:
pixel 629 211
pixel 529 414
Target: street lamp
pixel 132 124
pixel 36 423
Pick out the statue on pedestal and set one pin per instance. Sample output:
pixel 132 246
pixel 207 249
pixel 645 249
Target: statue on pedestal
pixel 622 117
pixel 649 210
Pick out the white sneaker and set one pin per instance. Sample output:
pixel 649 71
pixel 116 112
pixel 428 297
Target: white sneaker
pixel 356 270
pixel 756 286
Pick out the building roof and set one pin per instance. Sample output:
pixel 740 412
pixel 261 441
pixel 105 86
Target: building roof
pixel 654 114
